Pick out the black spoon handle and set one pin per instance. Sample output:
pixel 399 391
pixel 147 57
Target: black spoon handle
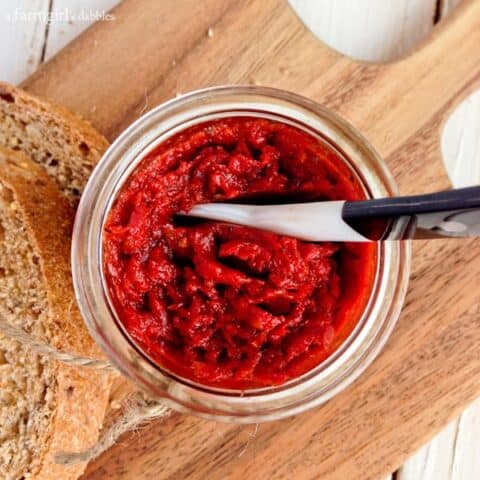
pixel 451 213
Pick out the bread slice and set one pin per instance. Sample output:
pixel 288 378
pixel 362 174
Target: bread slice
pixel 67 146
pixel 45 406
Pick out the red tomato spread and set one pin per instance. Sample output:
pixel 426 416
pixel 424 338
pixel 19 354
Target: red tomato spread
pixel 224 305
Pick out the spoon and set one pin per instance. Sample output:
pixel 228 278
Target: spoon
pixel 452 213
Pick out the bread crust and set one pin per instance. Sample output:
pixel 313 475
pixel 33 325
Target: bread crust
pixel 63 143
pixel 70 121
pixel 81 394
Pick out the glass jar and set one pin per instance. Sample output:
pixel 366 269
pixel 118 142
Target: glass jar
pixel 314 387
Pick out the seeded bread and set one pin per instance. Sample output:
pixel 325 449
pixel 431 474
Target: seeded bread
pixel 52 136
pixel 45 406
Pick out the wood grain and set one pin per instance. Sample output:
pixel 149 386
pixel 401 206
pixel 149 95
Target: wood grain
pixel 430 369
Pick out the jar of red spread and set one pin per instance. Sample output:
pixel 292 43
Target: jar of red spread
pixel 224 321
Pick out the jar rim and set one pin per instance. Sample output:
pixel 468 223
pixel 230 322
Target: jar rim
pixel 353 355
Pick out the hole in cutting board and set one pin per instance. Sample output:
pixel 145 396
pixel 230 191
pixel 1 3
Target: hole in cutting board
pixel 374 30
pixel 460 143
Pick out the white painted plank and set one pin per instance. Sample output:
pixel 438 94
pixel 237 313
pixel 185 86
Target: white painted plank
pixel 434 460
pixel 373 30
pixel 461 143
pixel 466 463
pixel 72 17
pixel 22 34
pixel 452 455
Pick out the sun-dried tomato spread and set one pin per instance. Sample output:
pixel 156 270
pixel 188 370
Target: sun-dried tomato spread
pixel 224 305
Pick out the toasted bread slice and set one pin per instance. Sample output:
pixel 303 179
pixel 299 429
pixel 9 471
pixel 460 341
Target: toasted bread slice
pixel 45 406
pixel 52 136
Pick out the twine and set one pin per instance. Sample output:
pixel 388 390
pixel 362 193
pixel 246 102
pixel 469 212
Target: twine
pixel 46 350
pixel 137 409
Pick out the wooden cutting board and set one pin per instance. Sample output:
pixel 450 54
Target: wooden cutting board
pixel 430 368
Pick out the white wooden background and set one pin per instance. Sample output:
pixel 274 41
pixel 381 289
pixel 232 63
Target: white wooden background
pixel 31 31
